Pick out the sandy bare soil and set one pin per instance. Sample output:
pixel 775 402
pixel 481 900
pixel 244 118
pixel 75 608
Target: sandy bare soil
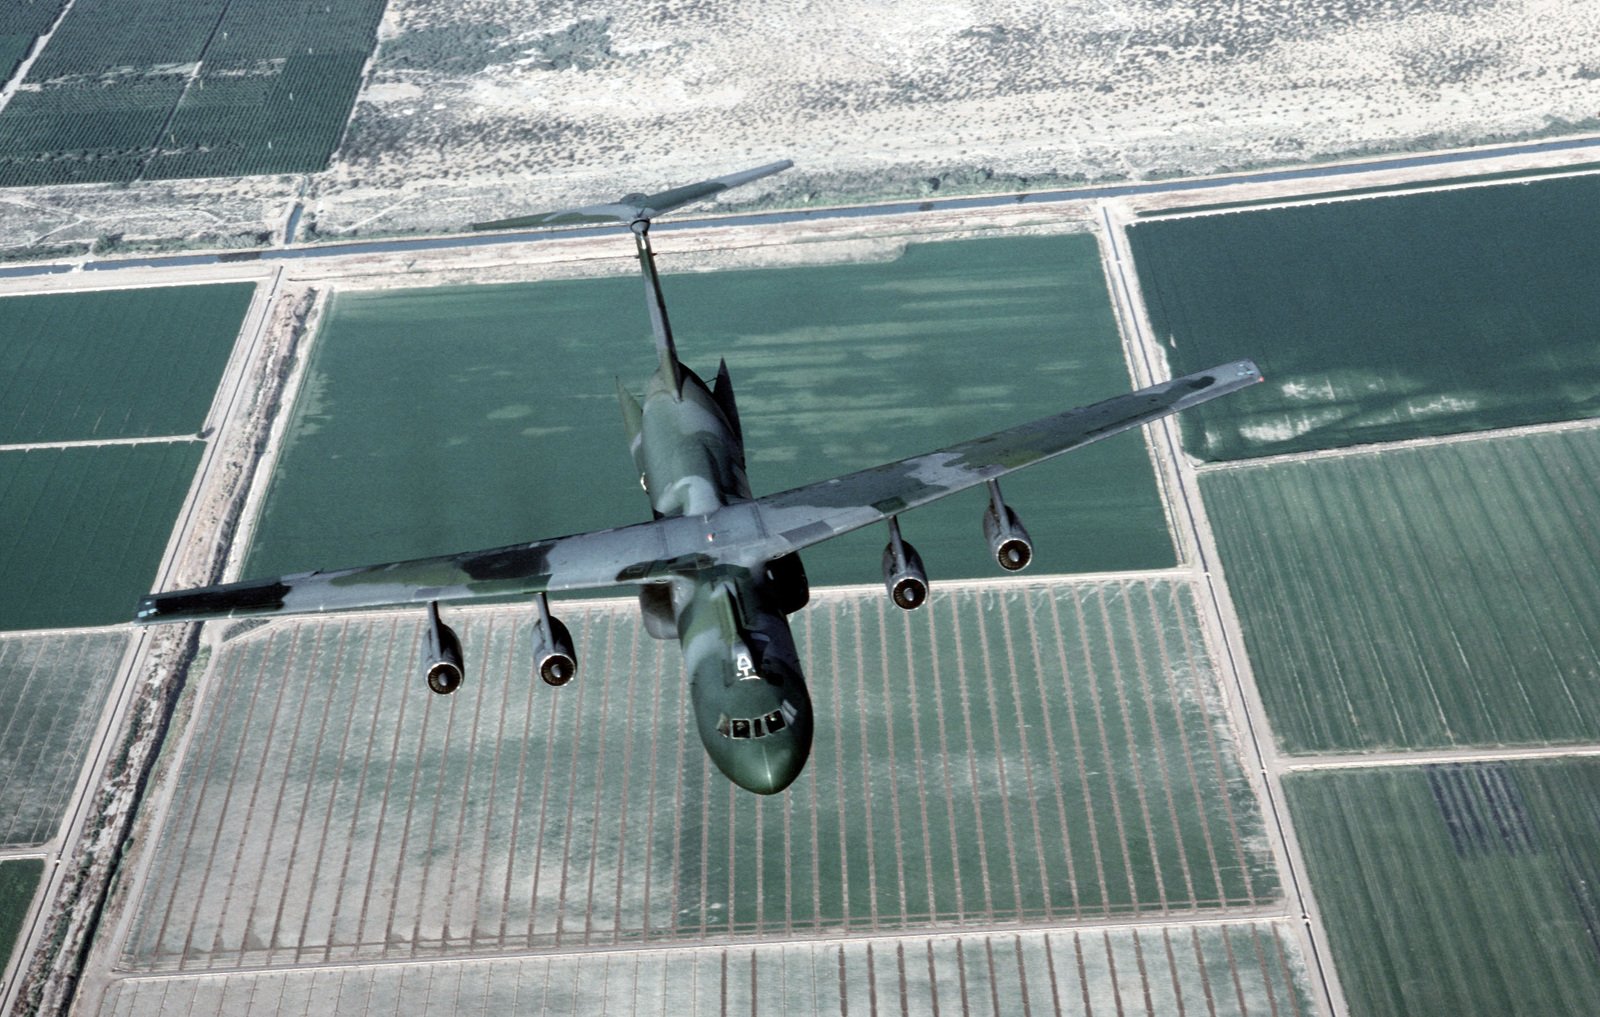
pixel 476 108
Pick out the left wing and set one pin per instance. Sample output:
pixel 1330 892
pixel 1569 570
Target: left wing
pixel 627 554
pixel 743 533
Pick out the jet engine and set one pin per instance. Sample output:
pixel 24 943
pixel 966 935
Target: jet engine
pixel 442 653
pixel 903 574
pixel 787 574
pixel 1008 541
pixel 553 655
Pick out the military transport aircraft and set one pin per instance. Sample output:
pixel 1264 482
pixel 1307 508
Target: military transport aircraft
pixel 717 568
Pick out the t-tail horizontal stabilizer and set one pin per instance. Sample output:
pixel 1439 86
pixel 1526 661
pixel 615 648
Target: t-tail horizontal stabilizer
pixel 634 207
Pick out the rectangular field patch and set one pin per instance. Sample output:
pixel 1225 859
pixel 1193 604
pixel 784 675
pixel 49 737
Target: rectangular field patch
pixel 55 692
pixel 1014 754
pixel 133 363
pixel 1383 318
pixel 1466 889
pixel 437 421
pixel 1420 597
pixel 88 526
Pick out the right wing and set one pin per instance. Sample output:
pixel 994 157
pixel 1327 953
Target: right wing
pixel 804 516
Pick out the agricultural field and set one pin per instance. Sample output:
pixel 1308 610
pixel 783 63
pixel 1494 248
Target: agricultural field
pixel 1063 758
pixel 1420 597
pixel 20 25
pixel 114 363
pixel 1383 318
pixel 55 690
pixel 437 420
pixel 1458 889
pixel 187 88
pixel 96 521
pixel 19 880
pixel 1223 970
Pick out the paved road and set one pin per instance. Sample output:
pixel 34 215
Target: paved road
pixel 1325 171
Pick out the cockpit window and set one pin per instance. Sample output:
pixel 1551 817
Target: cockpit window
pixel 741 728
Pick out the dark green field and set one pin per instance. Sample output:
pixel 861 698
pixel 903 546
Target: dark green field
pixel 132 363
pixel 119 98
pixel 1420 597
pixel 20 24
pixel 86 529
pixel 1466 890
pixel 1383 318
pixel 446 419
pixel 19 879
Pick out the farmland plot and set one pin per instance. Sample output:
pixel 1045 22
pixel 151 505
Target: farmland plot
pixel 20 25
pixel 1220 970
pixel 19 880
pixel 1463 889
pixel 132 363
pixel 1383 318
pixel 1420 597
pixel 1022 753
pixel 505 397
pixel 88 528
pixel 193 88
pixel 55 690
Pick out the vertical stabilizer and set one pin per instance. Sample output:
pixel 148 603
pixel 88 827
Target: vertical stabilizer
pixel 722 392
pixel 657 305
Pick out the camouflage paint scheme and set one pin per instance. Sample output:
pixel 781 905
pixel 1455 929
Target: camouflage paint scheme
pixel 716 568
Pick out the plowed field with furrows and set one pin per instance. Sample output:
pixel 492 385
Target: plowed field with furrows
pixel 1020 753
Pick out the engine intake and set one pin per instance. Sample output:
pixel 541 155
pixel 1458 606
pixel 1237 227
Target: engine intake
pixel 903 574
pixel 1008 541
pixel 553 655
pixel 442 652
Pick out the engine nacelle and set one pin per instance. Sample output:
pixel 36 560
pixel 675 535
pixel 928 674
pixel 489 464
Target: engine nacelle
pixel 903 574
pixel 788 576
pixel 442 654
pixel 655 607
pixel 1008 541
pixel 553 655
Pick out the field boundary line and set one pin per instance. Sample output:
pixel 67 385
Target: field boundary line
pixel 1245 712
pixel 160 439
pixel 1401 444
pixel 1436 757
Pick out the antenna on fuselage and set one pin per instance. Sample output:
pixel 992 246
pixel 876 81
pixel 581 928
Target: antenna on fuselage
pixel 637 210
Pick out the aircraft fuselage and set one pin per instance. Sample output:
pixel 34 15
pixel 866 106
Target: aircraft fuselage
pixel 749 696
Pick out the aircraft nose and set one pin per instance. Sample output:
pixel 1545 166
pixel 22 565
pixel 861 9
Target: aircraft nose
pixel 769 768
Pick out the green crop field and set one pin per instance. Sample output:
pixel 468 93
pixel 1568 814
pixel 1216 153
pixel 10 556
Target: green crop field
pixel 134 363
pixel 55 691
pixel 1020 754
pixel 19 880
pixel 1465 889
pixel 183 88
pixel 447 419
pixel 1420 597
pixel 1383 318
pixel 20 25
pixel 86 529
